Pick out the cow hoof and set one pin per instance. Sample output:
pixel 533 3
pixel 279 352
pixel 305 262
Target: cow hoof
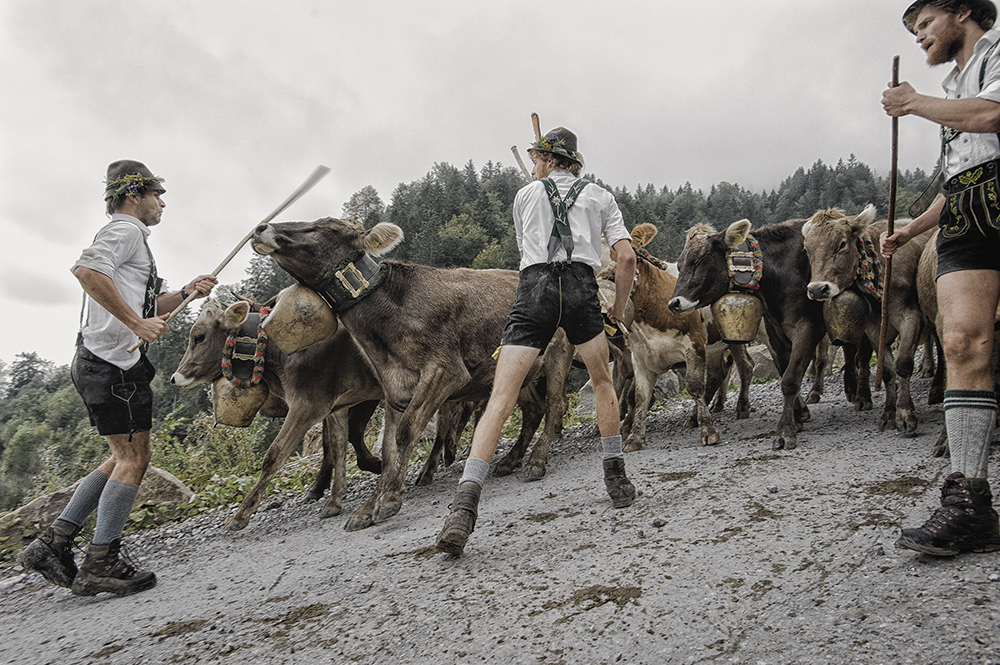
pixel 385 511
pixel 778 444
pixel 425 479
pixel 235 522
pixel 711 439
pixel 632 446
pixel 813 397
pixel 329 511
pixel 863 405
pixel 309 497
pixel 534 473
pixel 357 522
pixel 791 444
pixel 502 469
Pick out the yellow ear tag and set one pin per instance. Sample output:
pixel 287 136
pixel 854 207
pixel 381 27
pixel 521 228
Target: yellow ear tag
pixel 496 354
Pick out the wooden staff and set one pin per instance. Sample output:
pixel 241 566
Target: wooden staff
pixel 316 176
pixel 520 162
pixel 537 126
pixel 890 229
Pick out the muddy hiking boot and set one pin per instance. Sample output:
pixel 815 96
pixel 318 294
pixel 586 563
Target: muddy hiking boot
pixel 51 553
pixel 965 522
pixel 107 569
pixel 458 526
pixel 620 489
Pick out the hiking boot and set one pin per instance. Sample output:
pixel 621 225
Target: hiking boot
pixel 458 526
pixel 620 489
pixel 965 522
pixel 51 553
pixel 105 570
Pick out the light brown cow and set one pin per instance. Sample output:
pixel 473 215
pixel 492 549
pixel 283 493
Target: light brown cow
pixel 833 242
pixel 661 340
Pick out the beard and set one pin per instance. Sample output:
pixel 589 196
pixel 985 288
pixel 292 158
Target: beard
pixel 947 45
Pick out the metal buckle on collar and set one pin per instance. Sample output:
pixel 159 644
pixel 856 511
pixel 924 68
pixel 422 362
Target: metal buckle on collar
pixel 345 278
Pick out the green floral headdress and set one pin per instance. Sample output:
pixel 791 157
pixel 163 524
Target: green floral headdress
pixel 130 184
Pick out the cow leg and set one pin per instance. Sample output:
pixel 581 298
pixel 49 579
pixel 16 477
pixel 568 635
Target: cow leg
pixel 338 425
pixel 909 336
pixel 645 379
pixel 322 481
pixel 531 417
pixel 850 372
pixel 794 412
pixel 558 361
pixel 928 366
pixel 719 366
pixel 291 433
pixel 821 362
pixel 360 415
pixel 696 376
pixel 744 368
pixel 450 423
pixel 435 385
pixel 863 364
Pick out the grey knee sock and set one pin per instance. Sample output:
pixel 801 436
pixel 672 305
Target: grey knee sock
pixel 475 471
pixel 113 511
pixel 85 499
pixel 612 446
pixel 969 416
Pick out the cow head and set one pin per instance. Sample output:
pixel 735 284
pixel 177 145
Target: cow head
pixel 703 272
pixel 202 361
pixel 311 251
pixel 831 241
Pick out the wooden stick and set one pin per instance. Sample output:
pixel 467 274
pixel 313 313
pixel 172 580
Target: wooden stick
pixel 520 162
pixel 316 176
pixel 890 228
pixel 537 126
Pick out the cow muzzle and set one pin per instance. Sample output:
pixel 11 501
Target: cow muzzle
pixel 822 290
pixel 264 241
pixel 680 305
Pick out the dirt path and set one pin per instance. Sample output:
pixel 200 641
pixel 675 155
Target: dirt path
pixel 731 554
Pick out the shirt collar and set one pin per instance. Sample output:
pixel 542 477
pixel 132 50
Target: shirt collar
pixel 988 39
pixel 122 217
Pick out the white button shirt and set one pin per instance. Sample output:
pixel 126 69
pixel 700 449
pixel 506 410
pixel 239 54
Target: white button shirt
pixel 118 251
pixel 594 214
pixel 968 149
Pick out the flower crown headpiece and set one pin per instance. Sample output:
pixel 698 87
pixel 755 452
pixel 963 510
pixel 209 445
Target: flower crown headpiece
pixel 130 184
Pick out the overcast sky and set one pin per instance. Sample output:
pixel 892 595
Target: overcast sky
pixel 236 102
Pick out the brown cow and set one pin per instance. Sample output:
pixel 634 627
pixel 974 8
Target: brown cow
pixel 660 340
pixel 833 242
pixel 794 323
pixel 329 376
pixel 429 334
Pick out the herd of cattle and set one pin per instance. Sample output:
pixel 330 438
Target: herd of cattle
pixel 423 343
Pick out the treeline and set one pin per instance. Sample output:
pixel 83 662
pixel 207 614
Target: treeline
pixel 452 217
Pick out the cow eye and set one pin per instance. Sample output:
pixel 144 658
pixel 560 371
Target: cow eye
pixel 843 246
pixel 198 339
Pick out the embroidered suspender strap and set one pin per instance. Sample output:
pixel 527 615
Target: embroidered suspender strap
pixel 562 236
pixel 354 278
pixel 948 135
pixel 746 265
pixel 153 285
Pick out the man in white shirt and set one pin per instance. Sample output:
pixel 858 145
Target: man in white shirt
pixel 559 220
pixel 968 245
pixel 122 304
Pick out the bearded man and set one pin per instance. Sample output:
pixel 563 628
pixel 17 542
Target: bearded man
pixel 968 275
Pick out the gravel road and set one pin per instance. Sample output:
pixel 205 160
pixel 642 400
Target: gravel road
pixel 731 554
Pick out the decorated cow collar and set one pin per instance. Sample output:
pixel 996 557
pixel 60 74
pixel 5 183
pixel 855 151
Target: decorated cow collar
pixel 746 265
pixel 870 278
pixel 243 352
pixel 641 253
pixel 353 279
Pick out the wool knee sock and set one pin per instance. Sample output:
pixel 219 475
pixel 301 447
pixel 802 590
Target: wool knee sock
pixel 85 499
pixel 612 446
pixel 969 416
pixel 475 471
pixel 113 510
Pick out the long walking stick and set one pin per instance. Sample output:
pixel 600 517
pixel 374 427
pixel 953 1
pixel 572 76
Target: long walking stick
pixel 316 176
pixel 890 228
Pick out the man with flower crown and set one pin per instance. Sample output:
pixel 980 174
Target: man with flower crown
pixel 123 304
pixel 559 219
